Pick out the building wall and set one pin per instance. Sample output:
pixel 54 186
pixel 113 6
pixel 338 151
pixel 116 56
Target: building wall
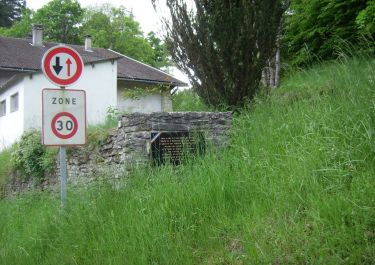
pixel 11 125
pixel 166 102
pixel 144 103
pixel 99 82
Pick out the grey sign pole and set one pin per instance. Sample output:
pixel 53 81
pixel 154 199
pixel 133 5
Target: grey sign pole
pixel 63 173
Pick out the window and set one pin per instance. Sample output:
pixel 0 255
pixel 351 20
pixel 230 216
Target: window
pixel 14 103
pixel 3 108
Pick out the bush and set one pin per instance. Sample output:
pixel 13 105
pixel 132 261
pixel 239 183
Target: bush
pixel 315 28
pixel 111 119
pixel 366 19
pixel 5 168
pixel 31 158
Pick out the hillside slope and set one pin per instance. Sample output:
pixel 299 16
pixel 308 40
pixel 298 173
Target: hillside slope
pixel 295 187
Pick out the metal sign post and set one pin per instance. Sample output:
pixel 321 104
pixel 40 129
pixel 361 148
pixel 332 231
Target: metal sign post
pixel 63 110
pixel 63 175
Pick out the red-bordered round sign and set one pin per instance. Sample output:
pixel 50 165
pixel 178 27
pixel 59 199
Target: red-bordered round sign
pixel 62 65
pixel 71 125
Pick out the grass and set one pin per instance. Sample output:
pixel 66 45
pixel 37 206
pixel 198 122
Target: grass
pixel 296 186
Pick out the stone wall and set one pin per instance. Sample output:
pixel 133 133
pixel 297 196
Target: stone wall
pixel 129 144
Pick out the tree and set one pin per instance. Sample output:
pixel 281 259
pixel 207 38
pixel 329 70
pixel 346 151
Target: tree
pixel 316 28
pixel 19 29
pixel 10 11
pixel 129 38
pixel 223 45
pixel 117 29
pixel 271 73
pixel 61 21
pixel 98 25
pixel 160 55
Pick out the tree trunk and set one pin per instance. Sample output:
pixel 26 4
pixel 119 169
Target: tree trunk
pixel 278 57
pixel 272 72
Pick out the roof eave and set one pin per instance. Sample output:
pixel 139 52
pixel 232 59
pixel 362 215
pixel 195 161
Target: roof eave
pixel 102 60
pixel 19 69
pixel 11 81
pixel 149 66
pixel 157 82
pixel 32 70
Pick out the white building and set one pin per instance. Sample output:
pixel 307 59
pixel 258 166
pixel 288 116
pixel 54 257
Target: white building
pixel 108 78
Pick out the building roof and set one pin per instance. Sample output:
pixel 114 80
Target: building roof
pixel 20 55
pixel 130 69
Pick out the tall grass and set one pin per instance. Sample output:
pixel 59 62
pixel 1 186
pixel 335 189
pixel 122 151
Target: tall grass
pixel 296 186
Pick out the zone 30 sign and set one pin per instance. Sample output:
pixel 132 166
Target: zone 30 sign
pixel 64 117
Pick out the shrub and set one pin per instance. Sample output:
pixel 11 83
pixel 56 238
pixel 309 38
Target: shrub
pixel 31 158
pixel 111 119
pixel 5 168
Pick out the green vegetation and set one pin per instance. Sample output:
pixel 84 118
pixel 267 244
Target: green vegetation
pixel 60 20
pixel 117 29
pixel 31 159
pixel 5 168
pixel 366 19
pixel 97 134
pixel 296 186
pixel 10 11
pixel 223 46
pixel 315 28
pixel 188 100
pixel 21 28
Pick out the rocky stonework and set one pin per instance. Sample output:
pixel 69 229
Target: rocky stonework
pixel 17 185
pixel 129 144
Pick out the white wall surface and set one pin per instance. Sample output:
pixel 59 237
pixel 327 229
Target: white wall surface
pixel 11 125
pixel 145 104
pixel 98 80
pixel 166 103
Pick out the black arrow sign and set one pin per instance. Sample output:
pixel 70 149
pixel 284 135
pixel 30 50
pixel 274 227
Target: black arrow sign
pixel 57 65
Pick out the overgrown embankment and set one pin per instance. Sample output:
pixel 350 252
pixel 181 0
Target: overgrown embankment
pixel 296 187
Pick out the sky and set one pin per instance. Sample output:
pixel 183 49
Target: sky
pixel 143 12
